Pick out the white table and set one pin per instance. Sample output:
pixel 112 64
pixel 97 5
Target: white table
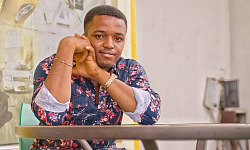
pixel 147 133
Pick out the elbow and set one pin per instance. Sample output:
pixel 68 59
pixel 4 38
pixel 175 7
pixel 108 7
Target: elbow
pixel 150 118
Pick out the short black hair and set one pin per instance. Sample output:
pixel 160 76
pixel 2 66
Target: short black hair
pixel 103 10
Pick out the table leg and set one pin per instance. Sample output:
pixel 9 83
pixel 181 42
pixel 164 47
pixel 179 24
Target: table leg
pixel 201 145
pixel 150 144
pixel 84 144
pixel 247 145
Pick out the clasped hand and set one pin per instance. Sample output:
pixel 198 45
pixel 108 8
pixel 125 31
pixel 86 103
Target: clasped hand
pixel 85 59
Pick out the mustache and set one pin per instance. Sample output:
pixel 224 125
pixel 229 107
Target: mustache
pixel 106 49
pixel 103 50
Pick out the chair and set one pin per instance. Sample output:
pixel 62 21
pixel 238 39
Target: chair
pixel 26 118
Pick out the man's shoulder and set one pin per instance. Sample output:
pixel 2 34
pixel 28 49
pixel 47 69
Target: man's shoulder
pixel 48 61
pixel 127 64
pixel 45 64
pixel 126 61
pixel 49 58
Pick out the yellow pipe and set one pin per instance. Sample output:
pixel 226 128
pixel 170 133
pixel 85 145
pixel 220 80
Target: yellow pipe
pixel 133 50
pixel 133 31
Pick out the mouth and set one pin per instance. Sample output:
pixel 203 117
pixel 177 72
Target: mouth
pixel 107 53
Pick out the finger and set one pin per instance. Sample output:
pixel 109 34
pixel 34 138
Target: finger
pixel 84 37
pixel 80 57
pixel 84 56
pixel 77 35
pixel 91 51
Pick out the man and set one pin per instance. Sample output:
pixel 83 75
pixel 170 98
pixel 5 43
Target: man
pixel 97 86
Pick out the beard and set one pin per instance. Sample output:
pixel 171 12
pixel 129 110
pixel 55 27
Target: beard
pixel 105 66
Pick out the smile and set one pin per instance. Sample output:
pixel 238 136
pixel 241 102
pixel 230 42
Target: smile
pixel 107 54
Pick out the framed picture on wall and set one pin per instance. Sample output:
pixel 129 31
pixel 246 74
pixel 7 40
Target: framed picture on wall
pixel 230 93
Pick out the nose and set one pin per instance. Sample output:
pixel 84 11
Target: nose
pixel 108 43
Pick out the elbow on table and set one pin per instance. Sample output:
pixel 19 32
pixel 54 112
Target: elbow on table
pixel 150 119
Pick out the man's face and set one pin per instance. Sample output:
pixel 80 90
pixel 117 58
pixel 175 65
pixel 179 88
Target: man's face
pixel 107 36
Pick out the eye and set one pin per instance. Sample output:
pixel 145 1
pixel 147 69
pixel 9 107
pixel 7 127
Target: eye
pixel 118 39
pixel 99 36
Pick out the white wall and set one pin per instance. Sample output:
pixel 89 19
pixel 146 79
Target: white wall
pixel 180 43
pixel 240 48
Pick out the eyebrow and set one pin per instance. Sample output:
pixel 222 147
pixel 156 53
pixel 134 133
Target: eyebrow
pixel 104 32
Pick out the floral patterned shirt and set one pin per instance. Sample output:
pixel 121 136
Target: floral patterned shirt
pixel 82 109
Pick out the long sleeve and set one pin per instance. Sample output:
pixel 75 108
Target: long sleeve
pixel 42 113
pixel 137 78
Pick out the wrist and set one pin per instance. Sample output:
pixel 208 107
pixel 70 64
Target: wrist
pixel 67 46
pixel 64 57
pixel 101 77
pixel 110 81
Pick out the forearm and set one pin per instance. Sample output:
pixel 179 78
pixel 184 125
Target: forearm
pixel 119 91
pixel 123 95
pixel 58 81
